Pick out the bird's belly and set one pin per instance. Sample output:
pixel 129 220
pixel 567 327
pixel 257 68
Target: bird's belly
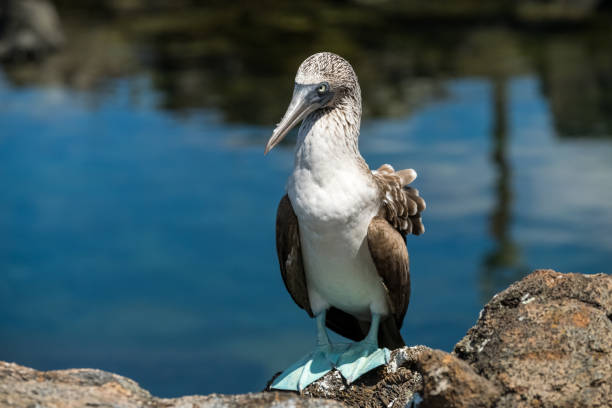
pixel 340 273
pixel 334 210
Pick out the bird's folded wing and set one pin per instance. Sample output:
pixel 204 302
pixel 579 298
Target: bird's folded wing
pixel 388 250
pixel 401 205
pixel 289 252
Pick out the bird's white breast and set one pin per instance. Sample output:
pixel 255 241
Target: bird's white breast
pixel 335 200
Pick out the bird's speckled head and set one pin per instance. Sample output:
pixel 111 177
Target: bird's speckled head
pixel 325 82
pixel 327 67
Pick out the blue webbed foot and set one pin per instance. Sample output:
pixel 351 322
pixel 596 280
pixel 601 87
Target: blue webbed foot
pixel 309 368
pixel 360 358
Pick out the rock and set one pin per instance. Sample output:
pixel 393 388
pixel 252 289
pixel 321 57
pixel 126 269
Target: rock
pixel 546 341
pixel 25 387
pixel 450 382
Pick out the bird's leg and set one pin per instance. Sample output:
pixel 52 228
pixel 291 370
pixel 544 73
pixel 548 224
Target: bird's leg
pixel 322 338
pixel 364 355
pixel 372 337
pixel 331 352
pixel 312 366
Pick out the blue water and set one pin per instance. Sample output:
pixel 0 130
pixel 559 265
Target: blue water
pixel 142 243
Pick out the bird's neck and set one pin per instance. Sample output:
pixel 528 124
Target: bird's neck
pixel 330 137
pixel 331 187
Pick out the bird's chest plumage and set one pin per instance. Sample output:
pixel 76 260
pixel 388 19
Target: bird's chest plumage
pixel 339 199
pixel 334 205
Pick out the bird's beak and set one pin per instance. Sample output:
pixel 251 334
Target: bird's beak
pixel 302 103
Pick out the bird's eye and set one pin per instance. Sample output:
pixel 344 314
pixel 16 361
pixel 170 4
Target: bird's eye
pixel 322 89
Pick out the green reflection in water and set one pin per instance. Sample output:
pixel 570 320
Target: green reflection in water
pixel 239 58
pixel 503 264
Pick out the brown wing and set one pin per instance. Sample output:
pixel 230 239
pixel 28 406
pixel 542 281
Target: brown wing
pixel 289 251
pixel 401 205
pixel 400 214
pixel 388 250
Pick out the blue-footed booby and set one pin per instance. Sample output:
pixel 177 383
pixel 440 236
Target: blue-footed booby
pixel 341 228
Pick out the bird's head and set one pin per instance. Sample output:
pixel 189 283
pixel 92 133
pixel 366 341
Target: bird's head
pixel 324 80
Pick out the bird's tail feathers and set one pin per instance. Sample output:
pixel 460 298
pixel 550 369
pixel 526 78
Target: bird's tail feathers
pixel 389 335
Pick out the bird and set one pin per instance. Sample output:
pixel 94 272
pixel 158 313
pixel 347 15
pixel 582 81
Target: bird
pixel 341 228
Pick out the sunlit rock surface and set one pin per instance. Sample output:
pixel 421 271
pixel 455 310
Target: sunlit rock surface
pixel 545 341
pixel 24 387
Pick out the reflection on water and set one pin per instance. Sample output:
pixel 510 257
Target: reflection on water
pixel 503 263
pixel 239 54
pixel 138 210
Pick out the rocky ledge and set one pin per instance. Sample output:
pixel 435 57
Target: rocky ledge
pixel 546 341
